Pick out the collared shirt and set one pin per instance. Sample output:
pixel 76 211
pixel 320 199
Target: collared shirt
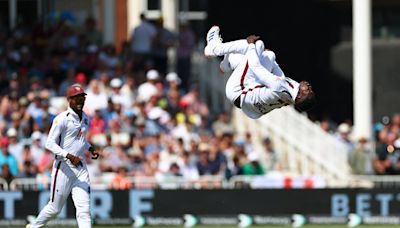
pixel 68 135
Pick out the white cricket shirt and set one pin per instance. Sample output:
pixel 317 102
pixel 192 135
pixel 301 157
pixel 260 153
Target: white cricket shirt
pixel 277 91
pixel 68 135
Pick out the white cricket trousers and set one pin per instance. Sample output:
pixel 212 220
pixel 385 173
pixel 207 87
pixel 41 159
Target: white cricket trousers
pixel 64 181
pixel 237 50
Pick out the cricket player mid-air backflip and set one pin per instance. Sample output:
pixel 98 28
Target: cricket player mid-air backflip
pixel 67 140
pixel 256 85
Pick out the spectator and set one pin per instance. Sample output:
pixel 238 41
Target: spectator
pixel 361 158
pixel 203 162
pixel 46 161
pixel 270 158
pixel 14 146
pixel 120 180
pixel 6 173
pixel 36 147
pixel 344 136
pixel 222 125
pixel 173 82
pixel 117 96
pixel 173 171
pixel 91 33
pixel 141 43
pixel 162 41
pixel 253 166
pixel 108 57
pixel 387 159
pixel 185 50
pixel 148 89
pixel 7 158
pixel 188 167
pixel 193 101
pixel 96 98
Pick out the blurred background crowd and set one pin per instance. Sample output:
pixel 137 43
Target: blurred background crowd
pixel 146 120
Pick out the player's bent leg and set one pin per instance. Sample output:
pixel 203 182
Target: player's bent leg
pixel 233 47
pixel 234 86
pixel 51 210
pixel 81 198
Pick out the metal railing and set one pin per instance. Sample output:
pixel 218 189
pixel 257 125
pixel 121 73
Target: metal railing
pixel 304 147
pixel 177 182
pixel 275 181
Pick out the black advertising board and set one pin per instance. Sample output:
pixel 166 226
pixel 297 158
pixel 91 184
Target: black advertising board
pixel 175 207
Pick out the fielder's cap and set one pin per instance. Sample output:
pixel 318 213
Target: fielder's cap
pixel 173 77
pixel 75 90
pixel 152 75
pixel 116 83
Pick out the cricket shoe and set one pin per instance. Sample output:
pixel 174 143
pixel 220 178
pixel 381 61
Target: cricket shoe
pixel 213 39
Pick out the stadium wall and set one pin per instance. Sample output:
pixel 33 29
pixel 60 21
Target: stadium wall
pixel 214 207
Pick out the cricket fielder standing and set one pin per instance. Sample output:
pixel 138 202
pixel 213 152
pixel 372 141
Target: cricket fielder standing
pixel 67 140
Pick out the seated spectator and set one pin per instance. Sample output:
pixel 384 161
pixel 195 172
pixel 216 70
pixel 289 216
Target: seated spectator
pixel 253 166
pixel 7 158
pixel 188 168
pixel 270 158
pixel 203 163
pixel 14 147
pixel 174 171
pixel 387 159
pixel 344 136
pixel 149 89
pixel 222 125
pixel 6 173
pixel 36 147
pixel 46 161
pixel 28 170
pixel 43 179
pixel 361 158
pixel 117 96
pixel 120 180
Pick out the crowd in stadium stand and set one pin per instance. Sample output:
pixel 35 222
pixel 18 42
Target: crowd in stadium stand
pixel 145 120
pixel 383 158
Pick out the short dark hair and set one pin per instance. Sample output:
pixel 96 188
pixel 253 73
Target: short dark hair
pixel 305 103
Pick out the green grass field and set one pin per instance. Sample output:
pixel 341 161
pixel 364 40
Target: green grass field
pixel 307 226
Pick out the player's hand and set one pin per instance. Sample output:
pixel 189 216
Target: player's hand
pixel 75 160
pixel 95 154
pixel 252 39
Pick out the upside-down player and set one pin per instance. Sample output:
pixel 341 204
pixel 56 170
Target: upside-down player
pixel 257 85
